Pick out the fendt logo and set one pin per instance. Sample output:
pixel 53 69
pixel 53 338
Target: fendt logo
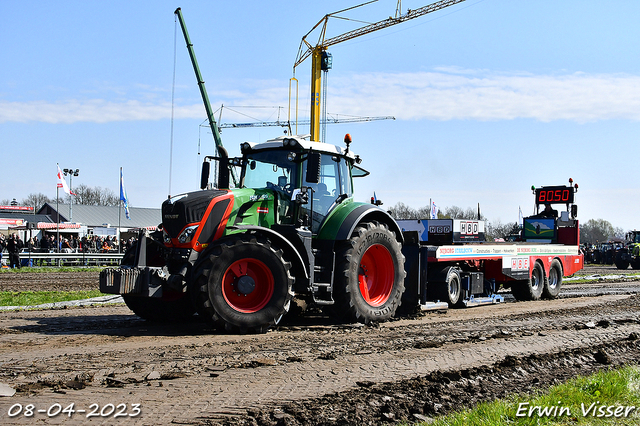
pixel 469 228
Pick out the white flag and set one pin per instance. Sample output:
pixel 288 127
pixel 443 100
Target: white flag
pixel 63 183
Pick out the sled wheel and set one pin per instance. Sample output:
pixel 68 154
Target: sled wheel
pixel 370 275
pixel 553 282
pixel 451 288
pixel 248 285
pixel 530 289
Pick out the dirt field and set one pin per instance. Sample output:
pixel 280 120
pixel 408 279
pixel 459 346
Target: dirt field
pixel 104 360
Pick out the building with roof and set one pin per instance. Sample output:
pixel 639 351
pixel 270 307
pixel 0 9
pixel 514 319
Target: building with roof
pixel 102 220
pixel 86 220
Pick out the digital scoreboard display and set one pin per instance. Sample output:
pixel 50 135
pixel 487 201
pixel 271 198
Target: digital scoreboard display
pixel 554 195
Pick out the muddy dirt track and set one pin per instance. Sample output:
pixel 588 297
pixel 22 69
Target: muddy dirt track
pixel 106 361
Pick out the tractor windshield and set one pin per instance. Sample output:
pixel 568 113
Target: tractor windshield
pixel 270 169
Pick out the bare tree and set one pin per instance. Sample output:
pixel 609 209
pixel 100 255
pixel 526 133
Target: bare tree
pixel 597 230
pixel 94 196
pixel 36 200
pixel 402 211
pixel 455 212
pixel 497 229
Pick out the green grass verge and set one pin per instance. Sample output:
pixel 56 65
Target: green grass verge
pixel 32 298
pixel 50 269
pixel 605 398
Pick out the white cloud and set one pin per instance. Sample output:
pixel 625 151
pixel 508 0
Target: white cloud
pixel 444 94
pixel 95 111
pixel 484 96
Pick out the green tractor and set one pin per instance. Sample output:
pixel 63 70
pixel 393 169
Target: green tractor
pixel 290 229
pixel 239 251
pixel 629 254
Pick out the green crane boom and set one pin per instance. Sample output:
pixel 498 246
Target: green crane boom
pixel 203 91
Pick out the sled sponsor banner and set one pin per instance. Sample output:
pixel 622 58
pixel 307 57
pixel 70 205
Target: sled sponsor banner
pixel 499 250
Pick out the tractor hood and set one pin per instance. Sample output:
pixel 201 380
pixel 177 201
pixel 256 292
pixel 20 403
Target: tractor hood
pixel 183 209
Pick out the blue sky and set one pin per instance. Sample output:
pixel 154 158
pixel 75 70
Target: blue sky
pixel 490 97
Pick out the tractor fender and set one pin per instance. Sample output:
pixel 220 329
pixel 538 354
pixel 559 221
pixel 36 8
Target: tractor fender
pixel 281 241
pixel 364 213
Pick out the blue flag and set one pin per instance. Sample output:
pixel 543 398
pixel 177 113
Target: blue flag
pixel 123 196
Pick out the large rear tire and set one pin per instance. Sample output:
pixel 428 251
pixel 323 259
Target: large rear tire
pixel 171 306
pixel 553 282
pixel 249 286
pixel 532 288
pixel 369 275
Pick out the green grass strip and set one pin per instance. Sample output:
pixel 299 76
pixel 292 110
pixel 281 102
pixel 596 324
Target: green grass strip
pixel 604 398
pixel 32 298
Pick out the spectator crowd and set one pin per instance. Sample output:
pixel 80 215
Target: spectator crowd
pixel 13 245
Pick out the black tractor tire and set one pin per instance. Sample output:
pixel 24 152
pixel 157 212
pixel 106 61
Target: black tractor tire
pixel 553 282
pixel 246 285
pixel 369 277
pixel 532 288
pixel 170 307
pixel 450 290
pixel 621 263
pixel 635 263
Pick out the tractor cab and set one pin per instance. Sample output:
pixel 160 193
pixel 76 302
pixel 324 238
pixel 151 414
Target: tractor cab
pixel 308 180
pixel 549 226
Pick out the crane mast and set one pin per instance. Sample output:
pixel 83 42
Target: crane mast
pixel 321 60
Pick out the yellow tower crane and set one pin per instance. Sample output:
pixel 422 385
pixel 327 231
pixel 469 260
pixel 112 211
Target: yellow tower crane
pixel 321 59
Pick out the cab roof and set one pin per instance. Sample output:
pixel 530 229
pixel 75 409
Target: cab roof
pixel 300 141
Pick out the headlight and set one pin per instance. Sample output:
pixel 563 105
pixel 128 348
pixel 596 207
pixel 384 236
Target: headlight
pixel 166 237
pixel 186 235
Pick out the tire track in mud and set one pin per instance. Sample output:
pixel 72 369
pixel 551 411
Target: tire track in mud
pixel 186 375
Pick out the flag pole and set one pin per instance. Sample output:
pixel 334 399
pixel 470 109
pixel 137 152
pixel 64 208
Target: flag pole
pixel 57 216
pixel 119 215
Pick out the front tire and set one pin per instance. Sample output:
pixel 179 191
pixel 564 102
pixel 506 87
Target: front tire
pixel 369 276
pixel 249 285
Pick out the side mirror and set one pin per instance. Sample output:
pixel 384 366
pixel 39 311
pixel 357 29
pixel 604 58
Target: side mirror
pixel 204 177
pixel 300 195
pixel 313 167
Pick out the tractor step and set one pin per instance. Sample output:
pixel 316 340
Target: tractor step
pixel 323 293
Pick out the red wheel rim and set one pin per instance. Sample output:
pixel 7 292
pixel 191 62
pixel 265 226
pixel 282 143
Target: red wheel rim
pixel 232 288
pixel 376 275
